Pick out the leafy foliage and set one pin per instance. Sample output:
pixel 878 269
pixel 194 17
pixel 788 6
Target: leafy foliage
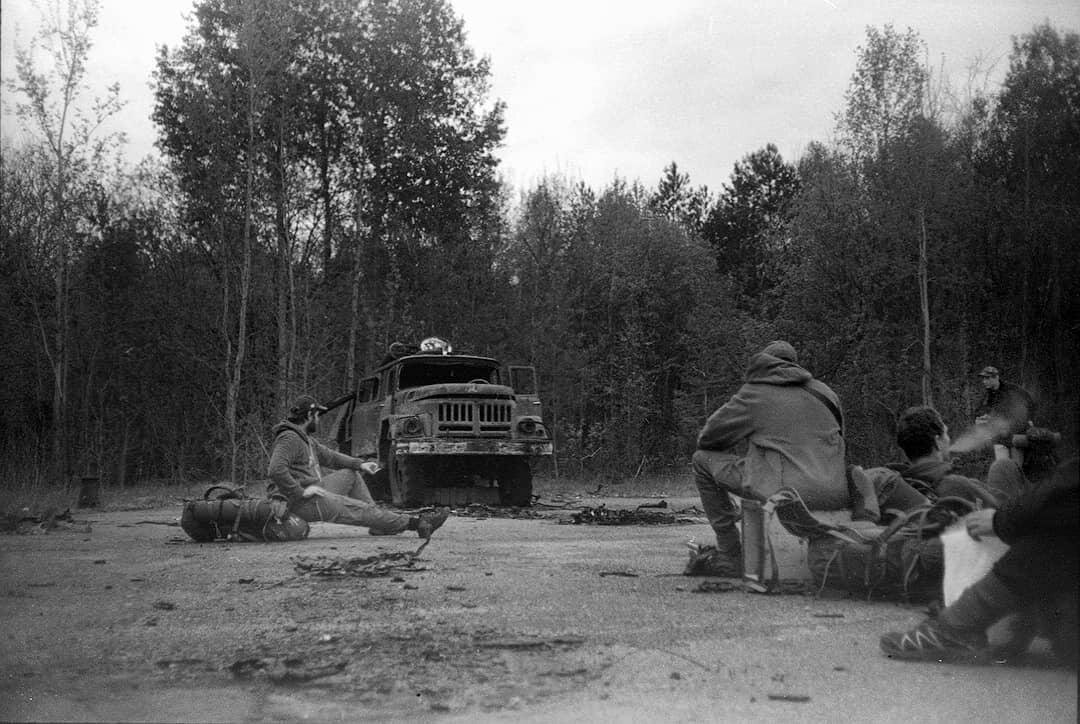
pixel 331 165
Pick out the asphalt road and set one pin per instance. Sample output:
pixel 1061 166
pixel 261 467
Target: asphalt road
pixel 117 618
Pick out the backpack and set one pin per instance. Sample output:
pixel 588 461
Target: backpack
pixel 903 561
pixel 233 516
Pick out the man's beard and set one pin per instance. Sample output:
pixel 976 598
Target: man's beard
pixel 311 426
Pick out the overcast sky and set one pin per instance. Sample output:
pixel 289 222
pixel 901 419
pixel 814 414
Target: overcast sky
pixel 599 88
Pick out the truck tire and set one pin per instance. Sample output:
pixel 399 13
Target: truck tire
pixel 515 483
pixel 406 481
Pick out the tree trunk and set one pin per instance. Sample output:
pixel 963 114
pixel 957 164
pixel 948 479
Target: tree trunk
pixel 354 300
pixel 284 286
pixel 924 304
pixel 245 287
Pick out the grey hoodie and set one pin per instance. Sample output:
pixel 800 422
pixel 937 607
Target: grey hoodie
pixel 794 440
pixel 295 459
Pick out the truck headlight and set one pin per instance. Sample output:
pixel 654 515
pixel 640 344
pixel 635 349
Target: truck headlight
pixel 527 427
pixel 412 426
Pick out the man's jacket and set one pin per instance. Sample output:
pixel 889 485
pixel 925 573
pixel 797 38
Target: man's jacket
pixel 295 459
pixel 943 482
pixel 1049 509
pixel 1012 403
pixel 794 439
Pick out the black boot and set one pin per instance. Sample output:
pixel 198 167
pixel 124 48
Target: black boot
pixel 724 560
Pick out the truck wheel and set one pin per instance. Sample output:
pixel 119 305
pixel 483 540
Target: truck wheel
pixel 515 483
pixel 406 481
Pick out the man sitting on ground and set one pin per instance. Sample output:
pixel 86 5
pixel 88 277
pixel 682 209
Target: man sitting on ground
pixel 340 497
pixel 924 438
pixel 793 427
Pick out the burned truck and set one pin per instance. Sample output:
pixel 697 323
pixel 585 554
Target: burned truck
pixel 446 429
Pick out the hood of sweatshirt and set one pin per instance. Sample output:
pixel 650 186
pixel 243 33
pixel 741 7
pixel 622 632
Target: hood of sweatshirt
pixel 929 470
pixel 286 425
pixel 769 370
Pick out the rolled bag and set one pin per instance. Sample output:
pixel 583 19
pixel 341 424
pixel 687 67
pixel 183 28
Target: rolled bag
pixel 230 516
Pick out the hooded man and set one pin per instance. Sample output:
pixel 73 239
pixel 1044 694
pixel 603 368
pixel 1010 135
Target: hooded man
pixel 793 427
pixel 339 497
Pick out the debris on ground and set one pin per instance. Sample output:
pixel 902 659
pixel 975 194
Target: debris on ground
pixel 792 587
pixel 642 515
pixel 529 642
pixel 798 698
pixel 285 671
pixel 26 522
pixel 479 510
pixel 380 564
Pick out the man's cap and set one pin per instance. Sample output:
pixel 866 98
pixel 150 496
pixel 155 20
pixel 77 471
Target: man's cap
pixel 304 404
pixel 783 350
pixel 989 371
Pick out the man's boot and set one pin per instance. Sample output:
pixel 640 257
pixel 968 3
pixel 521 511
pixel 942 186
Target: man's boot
pixel 729 552
pixel 723 560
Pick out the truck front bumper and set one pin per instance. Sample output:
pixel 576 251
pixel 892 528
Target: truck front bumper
pixel 473 447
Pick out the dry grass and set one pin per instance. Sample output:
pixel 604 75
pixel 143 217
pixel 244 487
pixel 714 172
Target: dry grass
pixel 31 496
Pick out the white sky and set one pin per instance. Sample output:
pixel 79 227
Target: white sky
pixel 599 88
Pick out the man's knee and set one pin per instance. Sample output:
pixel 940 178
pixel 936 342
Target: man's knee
pixel 1006 479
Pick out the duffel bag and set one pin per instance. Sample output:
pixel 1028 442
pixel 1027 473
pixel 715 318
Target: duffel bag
pixel 232 516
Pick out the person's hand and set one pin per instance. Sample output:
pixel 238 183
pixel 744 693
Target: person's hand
pixel 980 523
pixel 313 490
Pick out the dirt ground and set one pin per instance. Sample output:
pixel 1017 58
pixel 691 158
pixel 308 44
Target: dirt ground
pixel 118 617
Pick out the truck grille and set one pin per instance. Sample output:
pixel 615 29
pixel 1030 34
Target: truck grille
pixel 474 418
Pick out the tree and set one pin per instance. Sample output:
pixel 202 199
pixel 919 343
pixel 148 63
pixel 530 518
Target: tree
pixel 348 143
pixel 886 94
pixel 1031 159
pixel 746 227
pixel 676 201
pixel 53 112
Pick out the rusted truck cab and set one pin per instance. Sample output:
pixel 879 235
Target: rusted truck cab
pixel 447 429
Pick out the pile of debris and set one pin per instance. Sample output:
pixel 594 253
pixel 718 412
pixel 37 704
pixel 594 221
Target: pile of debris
pixel 479 510
pixel 380 564
pixel 647 514
pixel 25 522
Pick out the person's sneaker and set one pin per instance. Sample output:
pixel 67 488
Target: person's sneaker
pixel 932 640
pixel 431 521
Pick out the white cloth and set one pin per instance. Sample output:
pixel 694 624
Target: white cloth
pixel 966 559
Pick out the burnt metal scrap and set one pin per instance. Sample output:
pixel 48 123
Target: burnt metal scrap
pixel 479 510
pixel 378 565
pixel 642 515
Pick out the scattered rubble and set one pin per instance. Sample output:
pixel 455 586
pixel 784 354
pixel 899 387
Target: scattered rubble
pixel 642 515
pixel 479 510
pixel 25 522
pixel 378 565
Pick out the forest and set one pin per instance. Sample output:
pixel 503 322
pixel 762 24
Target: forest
pixel 328 184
